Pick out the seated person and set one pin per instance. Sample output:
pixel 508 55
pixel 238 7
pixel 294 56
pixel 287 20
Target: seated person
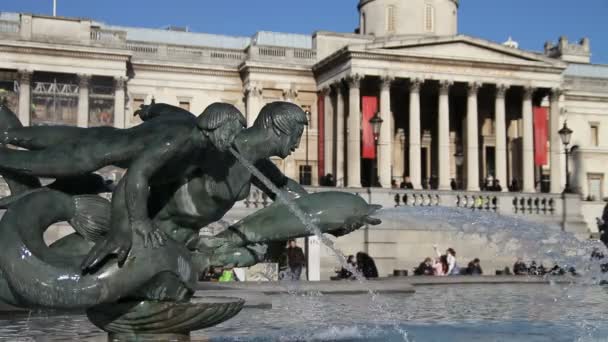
pixel 520 268
pixel 474 268
pixel 366 265
pixel 425 268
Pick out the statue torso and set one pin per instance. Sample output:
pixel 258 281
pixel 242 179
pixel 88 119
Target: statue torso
pixel 206 194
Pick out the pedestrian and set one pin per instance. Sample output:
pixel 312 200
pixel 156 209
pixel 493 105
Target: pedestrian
pixel 295 260
pixel 407 184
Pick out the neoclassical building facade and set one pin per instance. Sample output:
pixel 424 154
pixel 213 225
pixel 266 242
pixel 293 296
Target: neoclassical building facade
pixel 440 94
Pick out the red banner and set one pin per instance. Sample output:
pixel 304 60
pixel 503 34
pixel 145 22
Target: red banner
pixel 369 105
pixel 321 135
pixel 540 135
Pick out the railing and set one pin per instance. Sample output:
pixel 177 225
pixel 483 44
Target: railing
pixel 108 36
pixel 7 26
pixel 282 54
pixel 186 53
pixel 142 48
pixel 537 207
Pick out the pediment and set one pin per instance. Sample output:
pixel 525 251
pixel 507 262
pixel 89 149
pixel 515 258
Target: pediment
pixel 462 48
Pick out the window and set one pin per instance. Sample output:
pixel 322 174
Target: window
pixel 390 18
pixel 429 18
pixel 305 174
pixel 185 105
pixel 595 129
pixel 594 183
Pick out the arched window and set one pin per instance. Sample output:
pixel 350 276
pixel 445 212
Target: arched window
pixel 390 18
pixel 429 18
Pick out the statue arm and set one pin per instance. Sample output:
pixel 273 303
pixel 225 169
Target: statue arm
pixel 138 186
pixel 270 170
pixel 148 112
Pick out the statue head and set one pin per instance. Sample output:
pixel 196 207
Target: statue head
pixel 285 122
pixel 221 122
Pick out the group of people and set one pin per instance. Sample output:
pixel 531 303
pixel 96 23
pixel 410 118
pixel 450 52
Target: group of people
pixel 447 265
pixel 520 268
pixel 361 263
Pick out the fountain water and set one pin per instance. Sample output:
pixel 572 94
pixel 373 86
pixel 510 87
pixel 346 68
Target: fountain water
pixel 313 229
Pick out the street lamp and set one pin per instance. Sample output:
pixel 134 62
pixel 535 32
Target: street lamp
pixel 376 122
pixel 459 158
pixel 402 141
pixel 566 134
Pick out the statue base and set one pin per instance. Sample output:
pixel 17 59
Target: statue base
pixel 149 321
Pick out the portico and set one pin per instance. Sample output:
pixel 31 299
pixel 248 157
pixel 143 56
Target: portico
pixel 443 95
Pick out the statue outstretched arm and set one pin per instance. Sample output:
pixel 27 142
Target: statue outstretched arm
pixel 148 112
pixel 137 187
pixel 270 170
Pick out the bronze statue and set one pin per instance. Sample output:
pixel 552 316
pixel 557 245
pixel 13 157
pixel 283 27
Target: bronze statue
pixel 180 178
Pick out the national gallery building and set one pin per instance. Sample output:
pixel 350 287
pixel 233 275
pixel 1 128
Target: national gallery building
pixel 456 110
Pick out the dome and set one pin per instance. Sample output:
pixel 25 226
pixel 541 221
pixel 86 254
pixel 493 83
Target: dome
pixel 408 17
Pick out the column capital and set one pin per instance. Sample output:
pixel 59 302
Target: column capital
pixel 290 94
pixel 25 76
pixel 415 84
pixel 252 90
pixel 386 81
pixel 473 88
pixel 325 91
pixel 528 92
pixel 444 87
pixel 119 83
pixel 354 81
pixel 84 80
pixel 501 90
pixel 555 94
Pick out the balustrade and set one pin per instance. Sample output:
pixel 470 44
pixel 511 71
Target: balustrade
pixel 7 26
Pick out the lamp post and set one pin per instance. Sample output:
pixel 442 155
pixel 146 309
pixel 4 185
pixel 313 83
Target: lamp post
pixel 402 141
pixel 376 122
pixel 459 158
pixel 566 134
pixel 308 171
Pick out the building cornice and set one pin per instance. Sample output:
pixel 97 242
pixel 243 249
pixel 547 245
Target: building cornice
pixel 65 51
pixel 347 53
pixel 249 68
pixel 188 69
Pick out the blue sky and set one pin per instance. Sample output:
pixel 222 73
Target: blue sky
pixel 530 22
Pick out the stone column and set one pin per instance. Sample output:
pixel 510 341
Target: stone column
pixel 501 136
pixel 414 134
pixel 25 96
pixel 328 120
pixel 385 140
pixel 555 142
pixel 83 101
pixel 472 151
pixel 354 132
pixel 119 102
pixel 339 176
pixel 444 135
pixel 252 95
pixel 528 141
